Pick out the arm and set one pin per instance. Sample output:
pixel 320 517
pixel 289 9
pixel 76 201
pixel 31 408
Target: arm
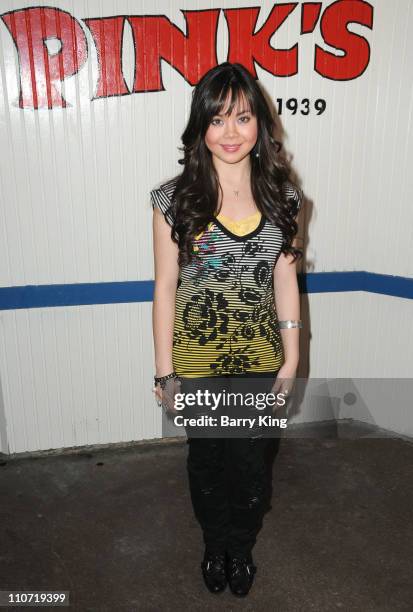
pixel 286 293
pixel 166 279
pixel 287 300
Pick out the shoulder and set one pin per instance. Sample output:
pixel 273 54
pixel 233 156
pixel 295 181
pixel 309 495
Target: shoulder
pixel 165 190
pixel 294 196
pixel 161 197
pixel 168 187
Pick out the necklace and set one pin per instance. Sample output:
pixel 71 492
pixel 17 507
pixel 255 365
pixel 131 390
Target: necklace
pixel 236 192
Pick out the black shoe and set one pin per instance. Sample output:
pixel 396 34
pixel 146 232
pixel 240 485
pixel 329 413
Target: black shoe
pixel 240 574
pixel 213 571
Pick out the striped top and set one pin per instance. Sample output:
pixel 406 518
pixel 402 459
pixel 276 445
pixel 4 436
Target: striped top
pixel 225 315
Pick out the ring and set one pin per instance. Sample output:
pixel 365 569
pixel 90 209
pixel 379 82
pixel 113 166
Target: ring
pixel 286 392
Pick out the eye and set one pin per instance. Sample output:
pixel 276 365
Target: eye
pixel 244 117
pixel 213 121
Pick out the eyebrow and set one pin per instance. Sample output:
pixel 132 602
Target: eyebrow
pixel 240 113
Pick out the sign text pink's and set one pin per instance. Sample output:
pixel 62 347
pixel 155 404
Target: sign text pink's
pixel 192 53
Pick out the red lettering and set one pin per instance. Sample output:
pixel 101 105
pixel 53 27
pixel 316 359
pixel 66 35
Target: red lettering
pixel 43 69
pixel 247 46
pixel 334 24
pixel 310 13
pixel 107 34
pixel 157 38
pixel 40 71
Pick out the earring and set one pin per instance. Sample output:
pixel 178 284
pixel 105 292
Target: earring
pixel 257 155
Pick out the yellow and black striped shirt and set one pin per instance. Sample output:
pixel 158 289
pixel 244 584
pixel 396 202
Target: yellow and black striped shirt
pixel 225 315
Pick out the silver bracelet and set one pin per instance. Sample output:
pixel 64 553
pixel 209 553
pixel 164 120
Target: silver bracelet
pixel 289 324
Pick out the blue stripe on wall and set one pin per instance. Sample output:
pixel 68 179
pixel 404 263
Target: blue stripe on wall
pixel 77 294
pixel 327 282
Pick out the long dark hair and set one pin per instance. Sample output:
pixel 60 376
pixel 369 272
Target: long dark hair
pixel 195 197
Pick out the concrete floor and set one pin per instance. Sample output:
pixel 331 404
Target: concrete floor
pixel 115 528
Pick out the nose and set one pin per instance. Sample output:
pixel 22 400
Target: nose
pixel 230 128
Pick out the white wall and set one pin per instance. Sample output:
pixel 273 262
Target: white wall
pixel 82 375
pixel 74 208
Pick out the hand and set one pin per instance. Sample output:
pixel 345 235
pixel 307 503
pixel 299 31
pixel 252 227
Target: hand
pixel 165 397
pixel 285 381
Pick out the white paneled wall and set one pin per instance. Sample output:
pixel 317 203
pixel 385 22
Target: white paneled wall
pixel 83 375
pixel 74 208
pixel 76 376
pixel 358 335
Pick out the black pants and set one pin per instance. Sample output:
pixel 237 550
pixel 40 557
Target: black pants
pixel 228 480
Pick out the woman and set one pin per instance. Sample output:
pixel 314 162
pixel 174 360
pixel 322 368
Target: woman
pixel 226 300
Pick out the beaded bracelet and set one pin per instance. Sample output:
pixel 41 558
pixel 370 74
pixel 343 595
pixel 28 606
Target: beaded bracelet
pixel 162 379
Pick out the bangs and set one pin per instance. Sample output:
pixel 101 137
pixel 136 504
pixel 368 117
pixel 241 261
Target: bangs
pixel 237 96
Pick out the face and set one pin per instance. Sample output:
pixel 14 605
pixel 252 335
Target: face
pixel 231 138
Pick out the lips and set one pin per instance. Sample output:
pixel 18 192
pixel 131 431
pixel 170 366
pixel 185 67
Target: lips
pixel 230 148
